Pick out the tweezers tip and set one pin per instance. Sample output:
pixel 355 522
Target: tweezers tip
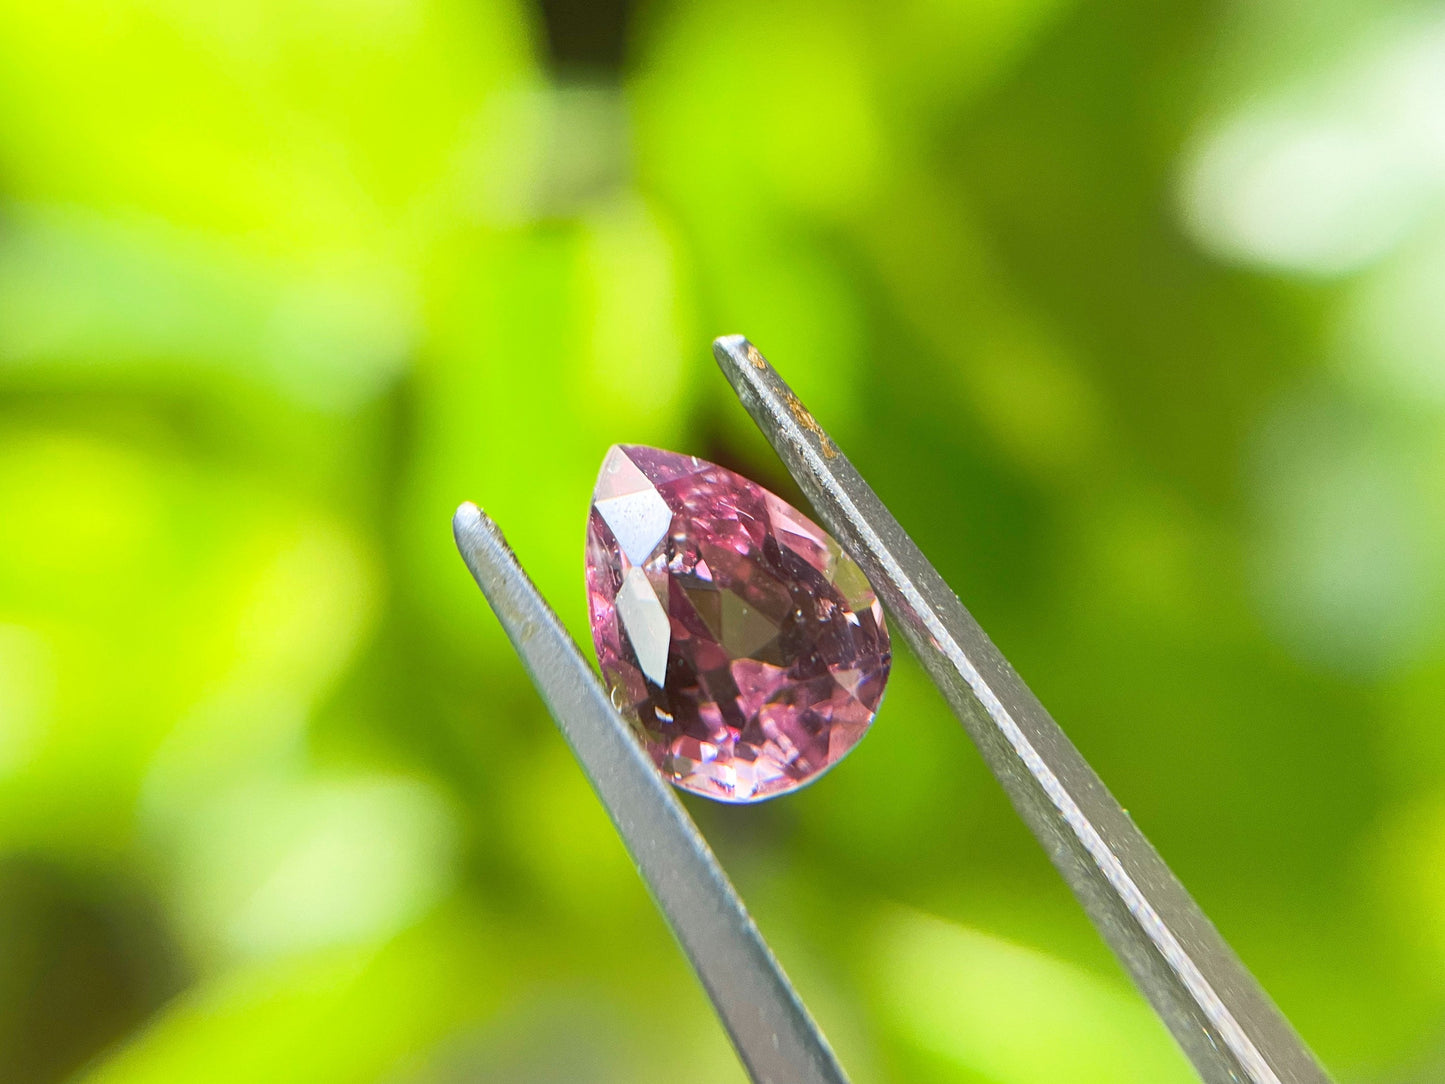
pixel 467 519
pixel 734 352
pixel 726 343
pixel 475 531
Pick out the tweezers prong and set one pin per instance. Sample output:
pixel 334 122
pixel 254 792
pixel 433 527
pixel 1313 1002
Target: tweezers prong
pixel 1224 1021
pixel 775 1037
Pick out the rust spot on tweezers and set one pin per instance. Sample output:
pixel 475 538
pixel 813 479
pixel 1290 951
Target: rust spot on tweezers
pixel 806 420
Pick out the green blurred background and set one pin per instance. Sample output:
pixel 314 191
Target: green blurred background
pixel 1134 313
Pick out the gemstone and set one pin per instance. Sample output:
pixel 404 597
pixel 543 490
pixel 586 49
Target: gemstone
pixel 740 641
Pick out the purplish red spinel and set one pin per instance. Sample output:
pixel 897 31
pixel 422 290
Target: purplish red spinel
pixel 734 633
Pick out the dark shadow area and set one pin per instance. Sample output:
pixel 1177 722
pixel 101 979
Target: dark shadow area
pixel 82 963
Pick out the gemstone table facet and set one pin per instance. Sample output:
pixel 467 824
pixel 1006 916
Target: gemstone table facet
pixel 744 645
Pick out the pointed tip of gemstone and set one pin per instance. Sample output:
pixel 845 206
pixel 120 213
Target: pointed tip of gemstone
pixel 733 632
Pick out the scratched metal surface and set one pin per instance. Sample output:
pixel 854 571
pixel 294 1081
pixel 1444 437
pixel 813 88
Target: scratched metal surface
pixel 1221 1017
pixel 772 1031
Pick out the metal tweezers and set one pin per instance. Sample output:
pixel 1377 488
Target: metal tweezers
pixel 1224 1021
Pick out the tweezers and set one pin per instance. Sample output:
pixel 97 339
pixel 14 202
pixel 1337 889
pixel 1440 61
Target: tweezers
pixel 1222 1019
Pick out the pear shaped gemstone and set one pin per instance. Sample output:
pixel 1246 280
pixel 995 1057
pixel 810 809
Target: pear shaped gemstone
pixel 734 633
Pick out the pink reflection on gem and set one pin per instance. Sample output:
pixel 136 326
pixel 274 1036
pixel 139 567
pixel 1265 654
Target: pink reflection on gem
pixel 744 645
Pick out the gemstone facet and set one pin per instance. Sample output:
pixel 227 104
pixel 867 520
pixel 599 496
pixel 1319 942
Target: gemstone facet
pixel 742 643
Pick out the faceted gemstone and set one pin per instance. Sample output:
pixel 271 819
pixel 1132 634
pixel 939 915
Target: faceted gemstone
pixel 746 648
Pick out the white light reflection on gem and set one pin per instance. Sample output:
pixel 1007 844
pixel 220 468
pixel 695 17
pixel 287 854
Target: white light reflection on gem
pixel 639 521
pixel 646 623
